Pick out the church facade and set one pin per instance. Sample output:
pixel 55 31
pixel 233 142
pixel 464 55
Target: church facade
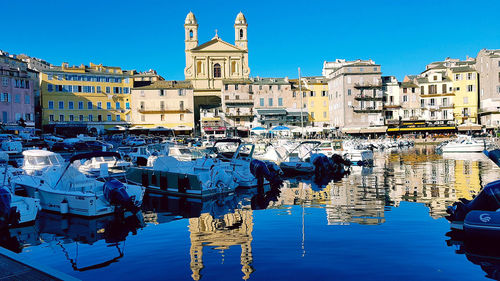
pixel 209 64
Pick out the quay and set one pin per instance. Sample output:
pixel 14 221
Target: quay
pixel 13 267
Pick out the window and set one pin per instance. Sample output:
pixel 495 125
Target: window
pixel 349 92
pixel 142 105
pixel 470 76
pixel 89 105
pixel 241 33
pixel 226 87
pixel 98 89
pixel 162 117
pixel 262 99
pixel 181 105
pixel 470 88
pixel 80 105
pixel 405 90
pixel 405 98
pixel 458 77
pixel 444 88
pixel 181 117
pixel 312 115
pixel 280 101
pixel 311 94
pixel 324 114
pixel 432 102
pixel 109 117
pixel 51 104
pixel 118 117
pixel 17 98
pixel 217 70
pixel 108 105
pixel 445 114
pixel 99 105
pixel 49 76
pixel 323 93
pixel 191 34
pixel 91 118
pixel 445 101
pixel 435 78
pixel 108 90
pixel 422 103
pixel 51 117
pixel 127 105
pixel 270 101
pixel 125 90
pixel 61 104
pixel 50 87
pixel 127 117
pixel 80 118
pixel 117 105
pixel 5 81
pixel 99 118
pixel 61 118
pixel 70 105
pixel 27 99
pixel 71 118
pixel 236 86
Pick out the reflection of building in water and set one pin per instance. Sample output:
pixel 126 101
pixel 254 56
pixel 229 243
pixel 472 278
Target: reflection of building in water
pixel 221 233
pixel 357 199
pixel 467 183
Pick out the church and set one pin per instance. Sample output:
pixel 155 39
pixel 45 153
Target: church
pixel 208 64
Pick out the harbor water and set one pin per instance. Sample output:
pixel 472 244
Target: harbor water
pixel 380 223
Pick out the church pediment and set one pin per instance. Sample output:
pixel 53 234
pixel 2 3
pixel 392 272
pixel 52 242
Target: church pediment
pixel 216 45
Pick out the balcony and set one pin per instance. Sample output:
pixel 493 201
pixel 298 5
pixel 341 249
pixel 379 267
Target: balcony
pixel 367 85
pixel 368 98
pixel 150 110
pixel 367 110
pixel 239 101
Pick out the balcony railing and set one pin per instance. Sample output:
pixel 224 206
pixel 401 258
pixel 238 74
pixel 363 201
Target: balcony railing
pixel 367 85
pixel 149 110
pixel 367 110
pixel 368 98
pixel 240 114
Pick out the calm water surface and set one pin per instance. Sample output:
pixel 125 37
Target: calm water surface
pixel 385 223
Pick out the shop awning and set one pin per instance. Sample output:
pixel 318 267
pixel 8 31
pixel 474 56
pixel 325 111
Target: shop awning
pixel 351 130
pixel 469 127
pixel 420 129
pixel 182 128
pixel 371 130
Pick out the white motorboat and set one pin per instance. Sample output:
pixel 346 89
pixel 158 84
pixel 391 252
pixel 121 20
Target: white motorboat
pixel 64 189
pixel 464 144
pixel 355 153
pixel 109 161
pixel 37 160
pixel 14 209
pixel 184 153
pixel 227 169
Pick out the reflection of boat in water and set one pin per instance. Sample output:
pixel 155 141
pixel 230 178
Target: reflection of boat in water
pixel 61 231
pixel 485 253
pixel 465 156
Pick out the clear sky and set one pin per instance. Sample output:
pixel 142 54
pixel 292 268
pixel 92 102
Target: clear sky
pixel 403 36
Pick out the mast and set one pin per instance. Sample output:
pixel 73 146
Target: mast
pixel 301 105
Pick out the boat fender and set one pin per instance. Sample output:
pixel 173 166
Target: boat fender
pixel 115 194
pixel 64 207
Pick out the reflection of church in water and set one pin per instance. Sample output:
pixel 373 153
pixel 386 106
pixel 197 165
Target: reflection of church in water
pixel 221 233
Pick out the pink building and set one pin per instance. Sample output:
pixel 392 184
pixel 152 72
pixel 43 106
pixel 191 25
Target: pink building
pixel 16 91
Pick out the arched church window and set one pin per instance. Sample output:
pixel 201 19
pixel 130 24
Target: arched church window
pixel 241 33
pixel 217 71
pixel 191 34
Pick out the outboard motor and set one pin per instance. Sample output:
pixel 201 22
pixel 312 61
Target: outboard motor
pixel 115 193
pixel 8 214
pixel 487 200
pixel 322 165
pixel 262 170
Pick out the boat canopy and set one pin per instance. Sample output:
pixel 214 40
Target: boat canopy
pixel 93 155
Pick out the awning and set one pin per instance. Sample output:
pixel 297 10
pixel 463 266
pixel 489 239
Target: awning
pixel 258 129
pixel 242 129
pixel 314 129
pixel 351 130
pixel 469 127
pixel 420 129
pixel 281 128
pixel 182 128
pixel 371 130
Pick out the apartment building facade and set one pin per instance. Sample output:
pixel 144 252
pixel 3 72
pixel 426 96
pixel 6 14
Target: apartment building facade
pixel 488 67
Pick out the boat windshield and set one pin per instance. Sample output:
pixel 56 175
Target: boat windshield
pixel 42 160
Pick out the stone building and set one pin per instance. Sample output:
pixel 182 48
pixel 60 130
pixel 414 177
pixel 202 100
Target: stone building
pixel 355 93
pixel 488 67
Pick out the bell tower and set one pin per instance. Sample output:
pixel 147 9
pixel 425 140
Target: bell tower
pixel 191 31
pixel 240 32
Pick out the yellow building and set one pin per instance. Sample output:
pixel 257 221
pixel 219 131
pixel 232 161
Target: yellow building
pixel 465 87
pixel 317 100
pixel 167 104
pixel 80 99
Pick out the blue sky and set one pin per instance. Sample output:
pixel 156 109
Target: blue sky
pixel 402 36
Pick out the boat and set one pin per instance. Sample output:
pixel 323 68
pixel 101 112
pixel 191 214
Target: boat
pixel 463 144
pixel 66 190
pixel 184 153
pixel 110 162
pixel 14 210
pixel 358 155
pixel 35 160
pixel 226 167
pixel 480 216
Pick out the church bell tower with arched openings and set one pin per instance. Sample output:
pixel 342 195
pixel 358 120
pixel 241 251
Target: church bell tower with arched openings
pixel 240 32
pixel 191 29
